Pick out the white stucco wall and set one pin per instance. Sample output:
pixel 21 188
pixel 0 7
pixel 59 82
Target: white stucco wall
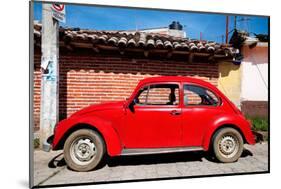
pixel 254 81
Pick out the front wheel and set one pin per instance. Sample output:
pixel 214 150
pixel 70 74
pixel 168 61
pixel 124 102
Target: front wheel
pixel 83 150
pixel 227 145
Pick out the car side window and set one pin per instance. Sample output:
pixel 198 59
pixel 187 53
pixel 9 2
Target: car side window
pixel 159 94
pixel 196 95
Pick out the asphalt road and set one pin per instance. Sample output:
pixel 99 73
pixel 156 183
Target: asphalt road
pixel 50 167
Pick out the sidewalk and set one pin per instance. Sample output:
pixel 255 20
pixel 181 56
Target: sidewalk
pixel 50 167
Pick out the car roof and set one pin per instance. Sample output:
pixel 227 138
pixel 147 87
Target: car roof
pixel 175 79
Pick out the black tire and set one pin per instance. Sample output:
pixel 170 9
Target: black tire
pixel 83 150
pixel 227 145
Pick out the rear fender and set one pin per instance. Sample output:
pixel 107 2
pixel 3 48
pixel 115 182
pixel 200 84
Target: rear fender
pixel 229 121
pixel 105 128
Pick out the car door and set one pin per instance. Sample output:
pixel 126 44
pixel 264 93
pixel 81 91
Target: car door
pixel 200 107
pixel 154 121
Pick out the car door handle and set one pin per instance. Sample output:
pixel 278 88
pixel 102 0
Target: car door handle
pixel 175 112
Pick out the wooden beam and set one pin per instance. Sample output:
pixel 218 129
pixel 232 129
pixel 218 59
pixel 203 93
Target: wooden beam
pixel 201 54
pixel 190 57
pixel 69 47
pixel 95 49
pixel 98 47
pixel 134 50
pixel 170 54
pixel 106 47
pixel 181 52
pixel 82 45
pixel 211 59
pixel 220 56
pixel 121 51
pixel 146 53
pixel 160 51
pixel 37 43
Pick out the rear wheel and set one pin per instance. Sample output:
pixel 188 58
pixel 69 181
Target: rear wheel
pixel 83 150
pixel 227 145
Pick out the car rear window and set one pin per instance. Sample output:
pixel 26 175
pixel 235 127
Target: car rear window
pixel 197 95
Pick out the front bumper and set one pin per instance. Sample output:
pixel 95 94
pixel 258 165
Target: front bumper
pixel 47 145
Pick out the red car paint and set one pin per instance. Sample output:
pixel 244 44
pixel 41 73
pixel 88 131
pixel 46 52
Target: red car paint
pixel 155 126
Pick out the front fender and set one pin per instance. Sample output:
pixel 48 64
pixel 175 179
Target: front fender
pixel 236 122
pixel 110 136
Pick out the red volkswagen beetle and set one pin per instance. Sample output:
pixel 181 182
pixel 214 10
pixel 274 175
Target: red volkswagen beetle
pixel 163 115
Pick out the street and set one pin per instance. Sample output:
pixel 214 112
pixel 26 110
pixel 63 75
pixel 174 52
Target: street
pixel 50 167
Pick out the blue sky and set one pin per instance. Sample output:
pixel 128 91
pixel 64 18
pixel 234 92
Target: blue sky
pixel 212 26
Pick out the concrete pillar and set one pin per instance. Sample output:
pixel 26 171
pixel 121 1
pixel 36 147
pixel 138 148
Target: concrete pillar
pixel 50 74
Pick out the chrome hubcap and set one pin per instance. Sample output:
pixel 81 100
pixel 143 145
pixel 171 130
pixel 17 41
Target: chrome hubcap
pixel 228 146
pixel 83 151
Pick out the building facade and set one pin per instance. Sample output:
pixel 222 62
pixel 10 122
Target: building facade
pixel 101 66
pixel 254 85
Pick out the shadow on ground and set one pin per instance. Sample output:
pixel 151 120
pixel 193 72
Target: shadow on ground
pixel 246 153
pixel 155 159
pixel 58 161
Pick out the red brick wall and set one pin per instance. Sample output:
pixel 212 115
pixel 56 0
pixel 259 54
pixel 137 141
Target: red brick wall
pixel 90 79
pixel 255 108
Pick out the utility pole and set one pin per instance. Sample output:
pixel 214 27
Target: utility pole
pixel 200 36
pixel 235 22
pixel 50 74
pixel 226 30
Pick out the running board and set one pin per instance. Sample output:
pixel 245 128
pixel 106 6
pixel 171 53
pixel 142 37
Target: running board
pixel 143 151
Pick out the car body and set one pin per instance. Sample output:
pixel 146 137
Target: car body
pixel 163 114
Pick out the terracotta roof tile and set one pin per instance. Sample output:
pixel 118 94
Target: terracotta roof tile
pixel 137 40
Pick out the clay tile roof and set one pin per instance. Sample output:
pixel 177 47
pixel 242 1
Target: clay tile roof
pixel 131 39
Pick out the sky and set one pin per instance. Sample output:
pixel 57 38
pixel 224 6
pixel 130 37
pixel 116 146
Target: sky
pixel 212 26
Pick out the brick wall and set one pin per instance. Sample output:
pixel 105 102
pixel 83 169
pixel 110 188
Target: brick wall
pixel 87 78
pixel 255 108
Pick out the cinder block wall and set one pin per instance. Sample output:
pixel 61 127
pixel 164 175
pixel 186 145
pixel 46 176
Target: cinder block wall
pixel 87 79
